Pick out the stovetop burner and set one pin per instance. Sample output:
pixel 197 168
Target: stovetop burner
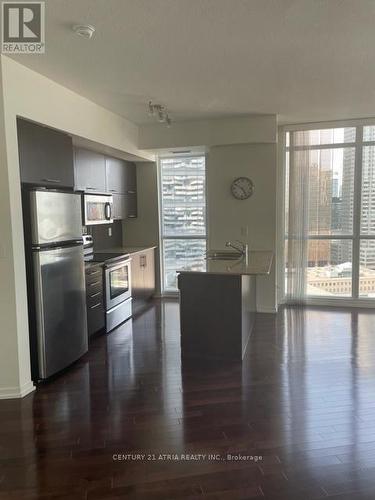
pixel 106 257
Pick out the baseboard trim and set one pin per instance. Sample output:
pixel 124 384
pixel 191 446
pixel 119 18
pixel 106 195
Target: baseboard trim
pixel 16 392
pixel 334 302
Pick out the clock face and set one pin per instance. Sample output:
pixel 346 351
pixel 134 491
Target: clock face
pixel 242 188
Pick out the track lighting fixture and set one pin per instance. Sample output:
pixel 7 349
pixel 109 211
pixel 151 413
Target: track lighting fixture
pixel 160 112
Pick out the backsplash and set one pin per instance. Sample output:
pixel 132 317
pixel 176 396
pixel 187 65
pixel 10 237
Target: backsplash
pixel 101 238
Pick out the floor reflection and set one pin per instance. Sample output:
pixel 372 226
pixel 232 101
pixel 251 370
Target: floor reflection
pixel 303 400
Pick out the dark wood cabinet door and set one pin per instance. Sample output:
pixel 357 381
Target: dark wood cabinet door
pixel 130 178
pixel 45 155
pixel 131 210
pixel 124 206
pixel 119 206
pixel 121 176
pixel 115 174
pixel 90 171
pixel 95 299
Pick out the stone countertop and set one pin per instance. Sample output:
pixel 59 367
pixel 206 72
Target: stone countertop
pixel 259 264
pixel 126 250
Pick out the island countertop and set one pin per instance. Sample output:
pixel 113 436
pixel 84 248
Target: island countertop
pixel 259 264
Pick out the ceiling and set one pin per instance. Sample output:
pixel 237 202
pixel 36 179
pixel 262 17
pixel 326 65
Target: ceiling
pixel 305 60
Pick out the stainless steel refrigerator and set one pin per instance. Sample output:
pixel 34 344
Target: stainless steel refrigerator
pixel 56 280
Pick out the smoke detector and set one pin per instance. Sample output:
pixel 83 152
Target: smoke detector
pixel 84 30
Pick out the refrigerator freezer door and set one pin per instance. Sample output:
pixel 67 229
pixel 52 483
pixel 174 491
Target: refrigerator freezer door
pixel 55 217
pixel 60 308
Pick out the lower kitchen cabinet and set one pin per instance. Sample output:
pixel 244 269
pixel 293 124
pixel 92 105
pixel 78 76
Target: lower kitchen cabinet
pixel 95 299
pixel 143 278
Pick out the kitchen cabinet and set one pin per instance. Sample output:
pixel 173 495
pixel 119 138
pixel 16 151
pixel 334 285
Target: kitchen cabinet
pixel 115 175
pixel 121 176
pixel 143 278
pixel 131 178
pixel 122 183
pixel 124 206
pixel 119 206
pixel 95 298
pixel 89 171
pixel 131 205
pixel 45 155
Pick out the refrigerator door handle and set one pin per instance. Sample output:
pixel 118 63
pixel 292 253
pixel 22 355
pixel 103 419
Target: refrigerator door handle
pixel 47 246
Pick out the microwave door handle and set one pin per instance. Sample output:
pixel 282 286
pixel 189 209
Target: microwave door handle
pixel 108 211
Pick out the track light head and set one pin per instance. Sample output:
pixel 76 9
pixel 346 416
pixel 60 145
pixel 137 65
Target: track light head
pixel 160 112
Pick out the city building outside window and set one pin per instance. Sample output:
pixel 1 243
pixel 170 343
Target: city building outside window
pixel 338 192
pixel 182 188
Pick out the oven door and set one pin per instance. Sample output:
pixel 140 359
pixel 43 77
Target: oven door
pixel 98 209
pixel 117 283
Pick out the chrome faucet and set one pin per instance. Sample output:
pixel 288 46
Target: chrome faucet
pixel 243 250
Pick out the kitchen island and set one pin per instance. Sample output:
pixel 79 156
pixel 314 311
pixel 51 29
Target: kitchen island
pixel 218 306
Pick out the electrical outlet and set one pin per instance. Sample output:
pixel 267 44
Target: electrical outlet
pixel 109 231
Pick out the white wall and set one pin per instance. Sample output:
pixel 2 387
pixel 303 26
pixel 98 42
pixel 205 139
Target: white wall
pixel 244 146
pixel 14 351
pixel 226 215
pixel 30 95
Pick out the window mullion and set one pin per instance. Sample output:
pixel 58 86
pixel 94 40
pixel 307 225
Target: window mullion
pixel 357 201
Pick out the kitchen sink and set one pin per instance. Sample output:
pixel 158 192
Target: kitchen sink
pixel 223 255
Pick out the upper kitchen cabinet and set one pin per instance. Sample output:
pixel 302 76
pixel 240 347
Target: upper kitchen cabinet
pixel 122 183
pixel 121 176
pixel 45 155
pixel 89 171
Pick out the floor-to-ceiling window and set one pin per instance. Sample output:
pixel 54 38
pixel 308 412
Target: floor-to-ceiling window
pixel 182 216
pixel 330 210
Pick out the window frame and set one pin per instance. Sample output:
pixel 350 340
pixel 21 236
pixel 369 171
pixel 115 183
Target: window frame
pixel 166 292
pixel 356 237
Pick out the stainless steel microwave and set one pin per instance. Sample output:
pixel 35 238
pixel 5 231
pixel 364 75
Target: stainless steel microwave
pixel 97 209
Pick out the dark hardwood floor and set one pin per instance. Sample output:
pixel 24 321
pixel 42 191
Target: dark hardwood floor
pixel 301 408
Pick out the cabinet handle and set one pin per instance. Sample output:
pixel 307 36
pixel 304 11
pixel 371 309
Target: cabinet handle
pixel 143 261
pixel 56 181
pixel 131 192
pixel 132 216
pixel 95 283
pixel 112 191
pixel 95 306
pixel 95 295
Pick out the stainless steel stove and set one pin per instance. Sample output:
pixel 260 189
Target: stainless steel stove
pixel 117 282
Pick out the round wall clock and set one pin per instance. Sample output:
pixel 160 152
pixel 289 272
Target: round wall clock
pixel 242 188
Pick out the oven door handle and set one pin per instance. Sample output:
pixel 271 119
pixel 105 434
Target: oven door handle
pixel 117 265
